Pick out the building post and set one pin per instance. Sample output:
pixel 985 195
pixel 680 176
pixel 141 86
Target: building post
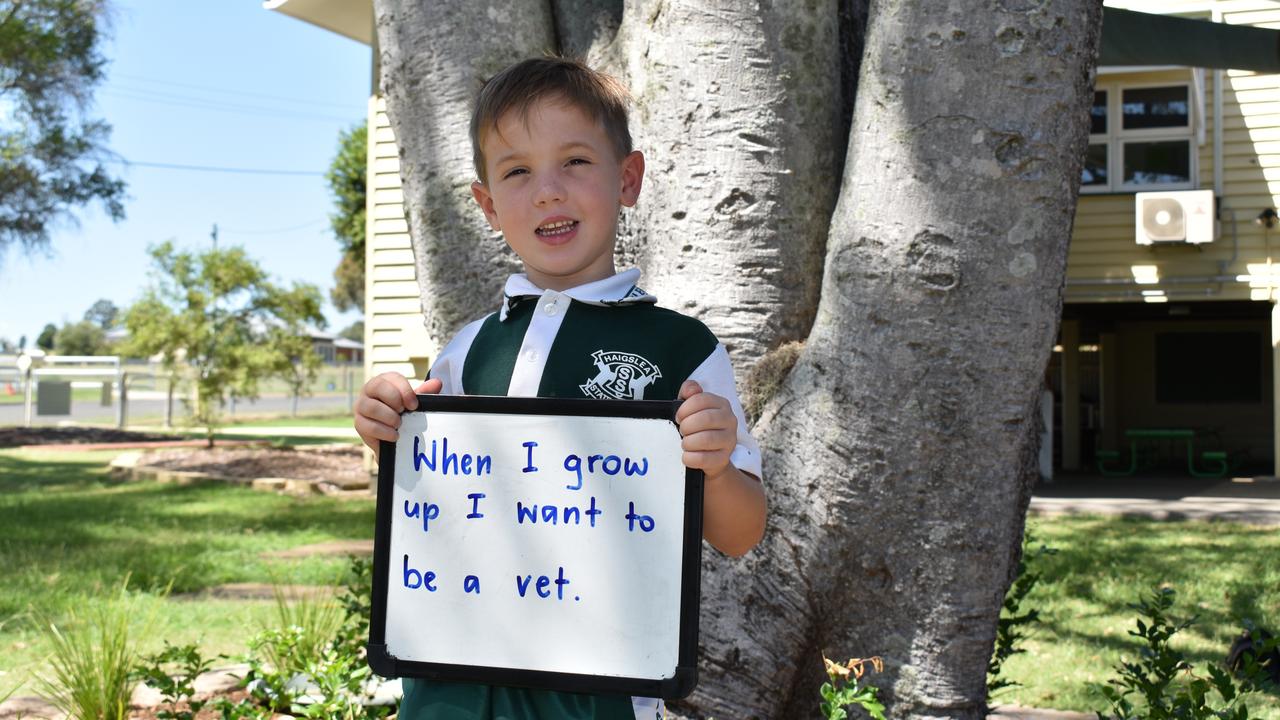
pixel 1275 388
pixel 1109 368
pixel 1071 395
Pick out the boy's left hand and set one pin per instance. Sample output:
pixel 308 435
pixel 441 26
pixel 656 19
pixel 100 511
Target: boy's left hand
pixel 709 429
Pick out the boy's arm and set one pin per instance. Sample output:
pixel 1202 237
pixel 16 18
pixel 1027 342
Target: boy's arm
pixel 733 513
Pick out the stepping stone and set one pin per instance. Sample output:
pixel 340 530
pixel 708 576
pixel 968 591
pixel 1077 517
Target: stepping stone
pixel 259 591
pixel 333 548
pixel 29 708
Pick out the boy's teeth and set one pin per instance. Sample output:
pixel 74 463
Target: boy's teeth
pixel 558 227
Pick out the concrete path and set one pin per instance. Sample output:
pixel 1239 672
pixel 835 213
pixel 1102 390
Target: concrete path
pixel 1252 500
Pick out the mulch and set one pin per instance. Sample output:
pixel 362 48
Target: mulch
pixel 341 465
pixel 28 436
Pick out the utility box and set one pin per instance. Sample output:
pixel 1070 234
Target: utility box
pixel 53 397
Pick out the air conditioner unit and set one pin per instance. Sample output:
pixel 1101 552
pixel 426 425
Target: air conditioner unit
pixel 1181 216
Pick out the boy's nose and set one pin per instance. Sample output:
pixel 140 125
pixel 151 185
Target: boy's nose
pixel 549 191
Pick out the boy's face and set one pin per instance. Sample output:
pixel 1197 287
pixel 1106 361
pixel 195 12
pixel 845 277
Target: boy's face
pixel 554 187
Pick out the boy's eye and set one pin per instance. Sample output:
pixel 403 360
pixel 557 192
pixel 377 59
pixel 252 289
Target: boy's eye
pixel 579 161
pixel 514 171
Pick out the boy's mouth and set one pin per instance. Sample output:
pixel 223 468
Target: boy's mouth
pixel 556 229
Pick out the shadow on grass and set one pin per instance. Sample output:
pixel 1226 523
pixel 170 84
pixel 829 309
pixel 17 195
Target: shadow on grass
pixel 1223 574
pixel 70 529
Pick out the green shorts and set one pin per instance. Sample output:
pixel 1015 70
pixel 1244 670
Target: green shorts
pixel 432 700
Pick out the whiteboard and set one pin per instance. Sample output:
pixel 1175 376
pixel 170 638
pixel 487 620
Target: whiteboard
pixel 538 542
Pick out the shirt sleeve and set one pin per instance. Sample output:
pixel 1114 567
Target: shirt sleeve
pixel 715 375
pixel 448 366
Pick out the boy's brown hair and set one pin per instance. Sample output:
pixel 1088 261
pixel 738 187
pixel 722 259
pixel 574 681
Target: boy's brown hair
pixel 517 87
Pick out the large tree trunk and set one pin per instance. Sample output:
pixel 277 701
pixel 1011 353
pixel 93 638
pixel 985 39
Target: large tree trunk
pixel 434 57
pixel 897 451
pixel 737 109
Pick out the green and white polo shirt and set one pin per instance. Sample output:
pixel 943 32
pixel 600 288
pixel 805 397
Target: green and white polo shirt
pixel 605 339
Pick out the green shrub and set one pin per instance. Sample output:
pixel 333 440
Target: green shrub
pixel 1014 625
pixel 1162 685
pixel 155 671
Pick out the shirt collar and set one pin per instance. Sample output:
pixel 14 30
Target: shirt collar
pixel 618 289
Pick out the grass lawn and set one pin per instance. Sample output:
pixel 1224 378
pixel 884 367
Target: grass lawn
pixel 1222 572
pixel 72 535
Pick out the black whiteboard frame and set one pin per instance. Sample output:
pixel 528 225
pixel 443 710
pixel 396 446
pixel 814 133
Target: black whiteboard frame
pixel 685 678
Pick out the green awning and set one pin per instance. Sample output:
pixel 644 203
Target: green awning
pixel 1134 38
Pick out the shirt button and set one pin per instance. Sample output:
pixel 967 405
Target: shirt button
pixel 531 355
pixel 550 308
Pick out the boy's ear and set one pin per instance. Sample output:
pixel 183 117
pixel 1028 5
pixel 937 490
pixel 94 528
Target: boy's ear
pixel 485 200
pixel 632 178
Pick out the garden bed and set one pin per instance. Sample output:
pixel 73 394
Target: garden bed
pixel 340 465
pixel 45 435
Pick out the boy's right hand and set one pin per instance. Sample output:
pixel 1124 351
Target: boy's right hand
pixel 382 399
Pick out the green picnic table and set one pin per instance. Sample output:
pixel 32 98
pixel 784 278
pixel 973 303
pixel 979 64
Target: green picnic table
pixel 1108 460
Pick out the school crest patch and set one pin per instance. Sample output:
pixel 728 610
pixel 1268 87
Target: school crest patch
pixel 621 376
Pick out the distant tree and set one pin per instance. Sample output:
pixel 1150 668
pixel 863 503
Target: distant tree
pixel 103 313
pixel 45 340
pixel 51 153
pixel 7 347
pixel 218 311
pixel 22 343
pixel 354 331
pixel 81 338
pixel 296 359
pixel 346 179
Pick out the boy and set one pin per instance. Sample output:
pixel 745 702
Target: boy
pixel 553 154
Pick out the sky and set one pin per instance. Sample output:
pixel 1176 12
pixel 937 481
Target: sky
pixel 214 84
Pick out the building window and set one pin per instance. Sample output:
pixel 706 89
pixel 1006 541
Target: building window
pixel 1140 138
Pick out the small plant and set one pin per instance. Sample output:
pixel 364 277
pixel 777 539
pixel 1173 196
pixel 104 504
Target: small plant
pixel 1162 684
pixel 154 670
pixel 340 680
pixel 316 641
pixel 92 664
pixel 1014 625
pixel 302 630
pixel 357 604
pixel 244 709
pixel 845 688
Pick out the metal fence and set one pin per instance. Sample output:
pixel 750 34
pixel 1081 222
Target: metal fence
pixel 49 385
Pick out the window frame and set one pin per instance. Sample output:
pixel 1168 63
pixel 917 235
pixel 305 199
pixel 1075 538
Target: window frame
pixel 1117 137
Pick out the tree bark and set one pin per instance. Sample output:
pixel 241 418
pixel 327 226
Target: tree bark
pixel 737 109
pixel 898 450
pixel 435 56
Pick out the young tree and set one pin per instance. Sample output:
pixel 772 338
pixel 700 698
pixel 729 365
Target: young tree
pixel 51 154
pixel 296 359
pixel 346 178
pixel 922 267
pixel 218 312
